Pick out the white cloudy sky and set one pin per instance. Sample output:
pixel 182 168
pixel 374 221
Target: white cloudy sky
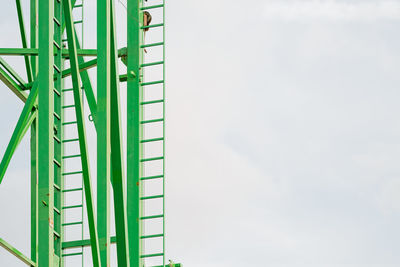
pixel 283 134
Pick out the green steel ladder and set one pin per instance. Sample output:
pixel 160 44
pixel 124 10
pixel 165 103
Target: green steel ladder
pixel 57 19
pixel 152 144
pixel 69 225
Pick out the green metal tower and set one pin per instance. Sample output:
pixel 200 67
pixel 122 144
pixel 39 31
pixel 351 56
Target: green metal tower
pixel 130 174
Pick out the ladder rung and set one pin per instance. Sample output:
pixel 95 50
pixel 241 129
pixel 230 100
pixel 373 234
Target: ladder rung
pixel 71 156
pixel 56 210
pixel 151 236
pixel 152 121
pixel 152 140
pixel 56 44
pixel 152 64
pixel 152 197
pixel 152 255
pixel 80 5
pixel 72 207
pixel 151 159
pixel 68 106
pixel 56 91
pixel 72 223
pixel 56 234
pixel 152 217
pixel 57 68
pixel 152 102
pixel 152 44
pixel 69 122
pixel 71 173
pixel 56 21
pixel 151 83
pixel 151 7
pixel 72 190
pixel 151 177
pixel 56 138
pixel 152 26
pixel 78 22
pixel 70 140
pixel 57 163
pixel 68 90
pixel 57 116
pixel 57 187
pixel 72 254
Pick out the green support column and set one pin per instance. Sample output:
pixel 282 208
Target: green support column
pixel 46 132
pixel 116 153
pixel 133 132
pixel 34 138
pixel 103 130
pixel 34 188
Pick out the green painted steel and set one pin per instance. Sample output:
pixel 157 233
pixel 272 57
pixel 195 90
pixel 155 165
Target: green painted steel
pixel 103 129
pixel 35 52
pixel 57 132
pixel 16 253
pixel 18 131
pixel 34 139
pixel 117 168
pixel 13 73
pixel 46 132
pixel 24 40
pixel 14 86
pixel 44 114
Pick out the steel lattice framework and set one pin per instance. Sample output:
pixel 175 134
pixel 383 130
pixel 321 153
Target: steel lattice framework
pixel 57 87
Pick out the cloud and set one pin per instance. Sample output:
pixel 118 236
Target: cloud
pixel 332 10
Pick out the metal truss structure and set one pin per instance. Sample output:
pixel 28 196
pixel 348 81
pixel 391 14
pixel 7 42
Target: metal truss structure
pixel 57 88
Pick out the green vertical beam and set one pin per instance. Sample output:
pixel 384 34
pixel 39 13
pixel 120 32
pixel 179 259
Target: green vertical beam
pixel 103 129
pixel 34 188
pixel 81 131
pixel 116 153
pixel 133 132
pixel 34 139
pixel 24 40
pixel 45 132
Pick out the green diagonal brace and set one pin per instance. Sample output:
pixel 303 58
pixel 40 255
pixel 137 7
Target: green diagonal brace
pixel 10 83
pixel 16 253
pixel 12 72
pixel 18 131
pixel 81 132
pixel 117 168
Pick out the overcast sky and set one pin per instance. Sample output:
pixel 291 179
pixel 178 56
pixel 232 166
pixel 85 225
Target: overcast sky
pixel 283 134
